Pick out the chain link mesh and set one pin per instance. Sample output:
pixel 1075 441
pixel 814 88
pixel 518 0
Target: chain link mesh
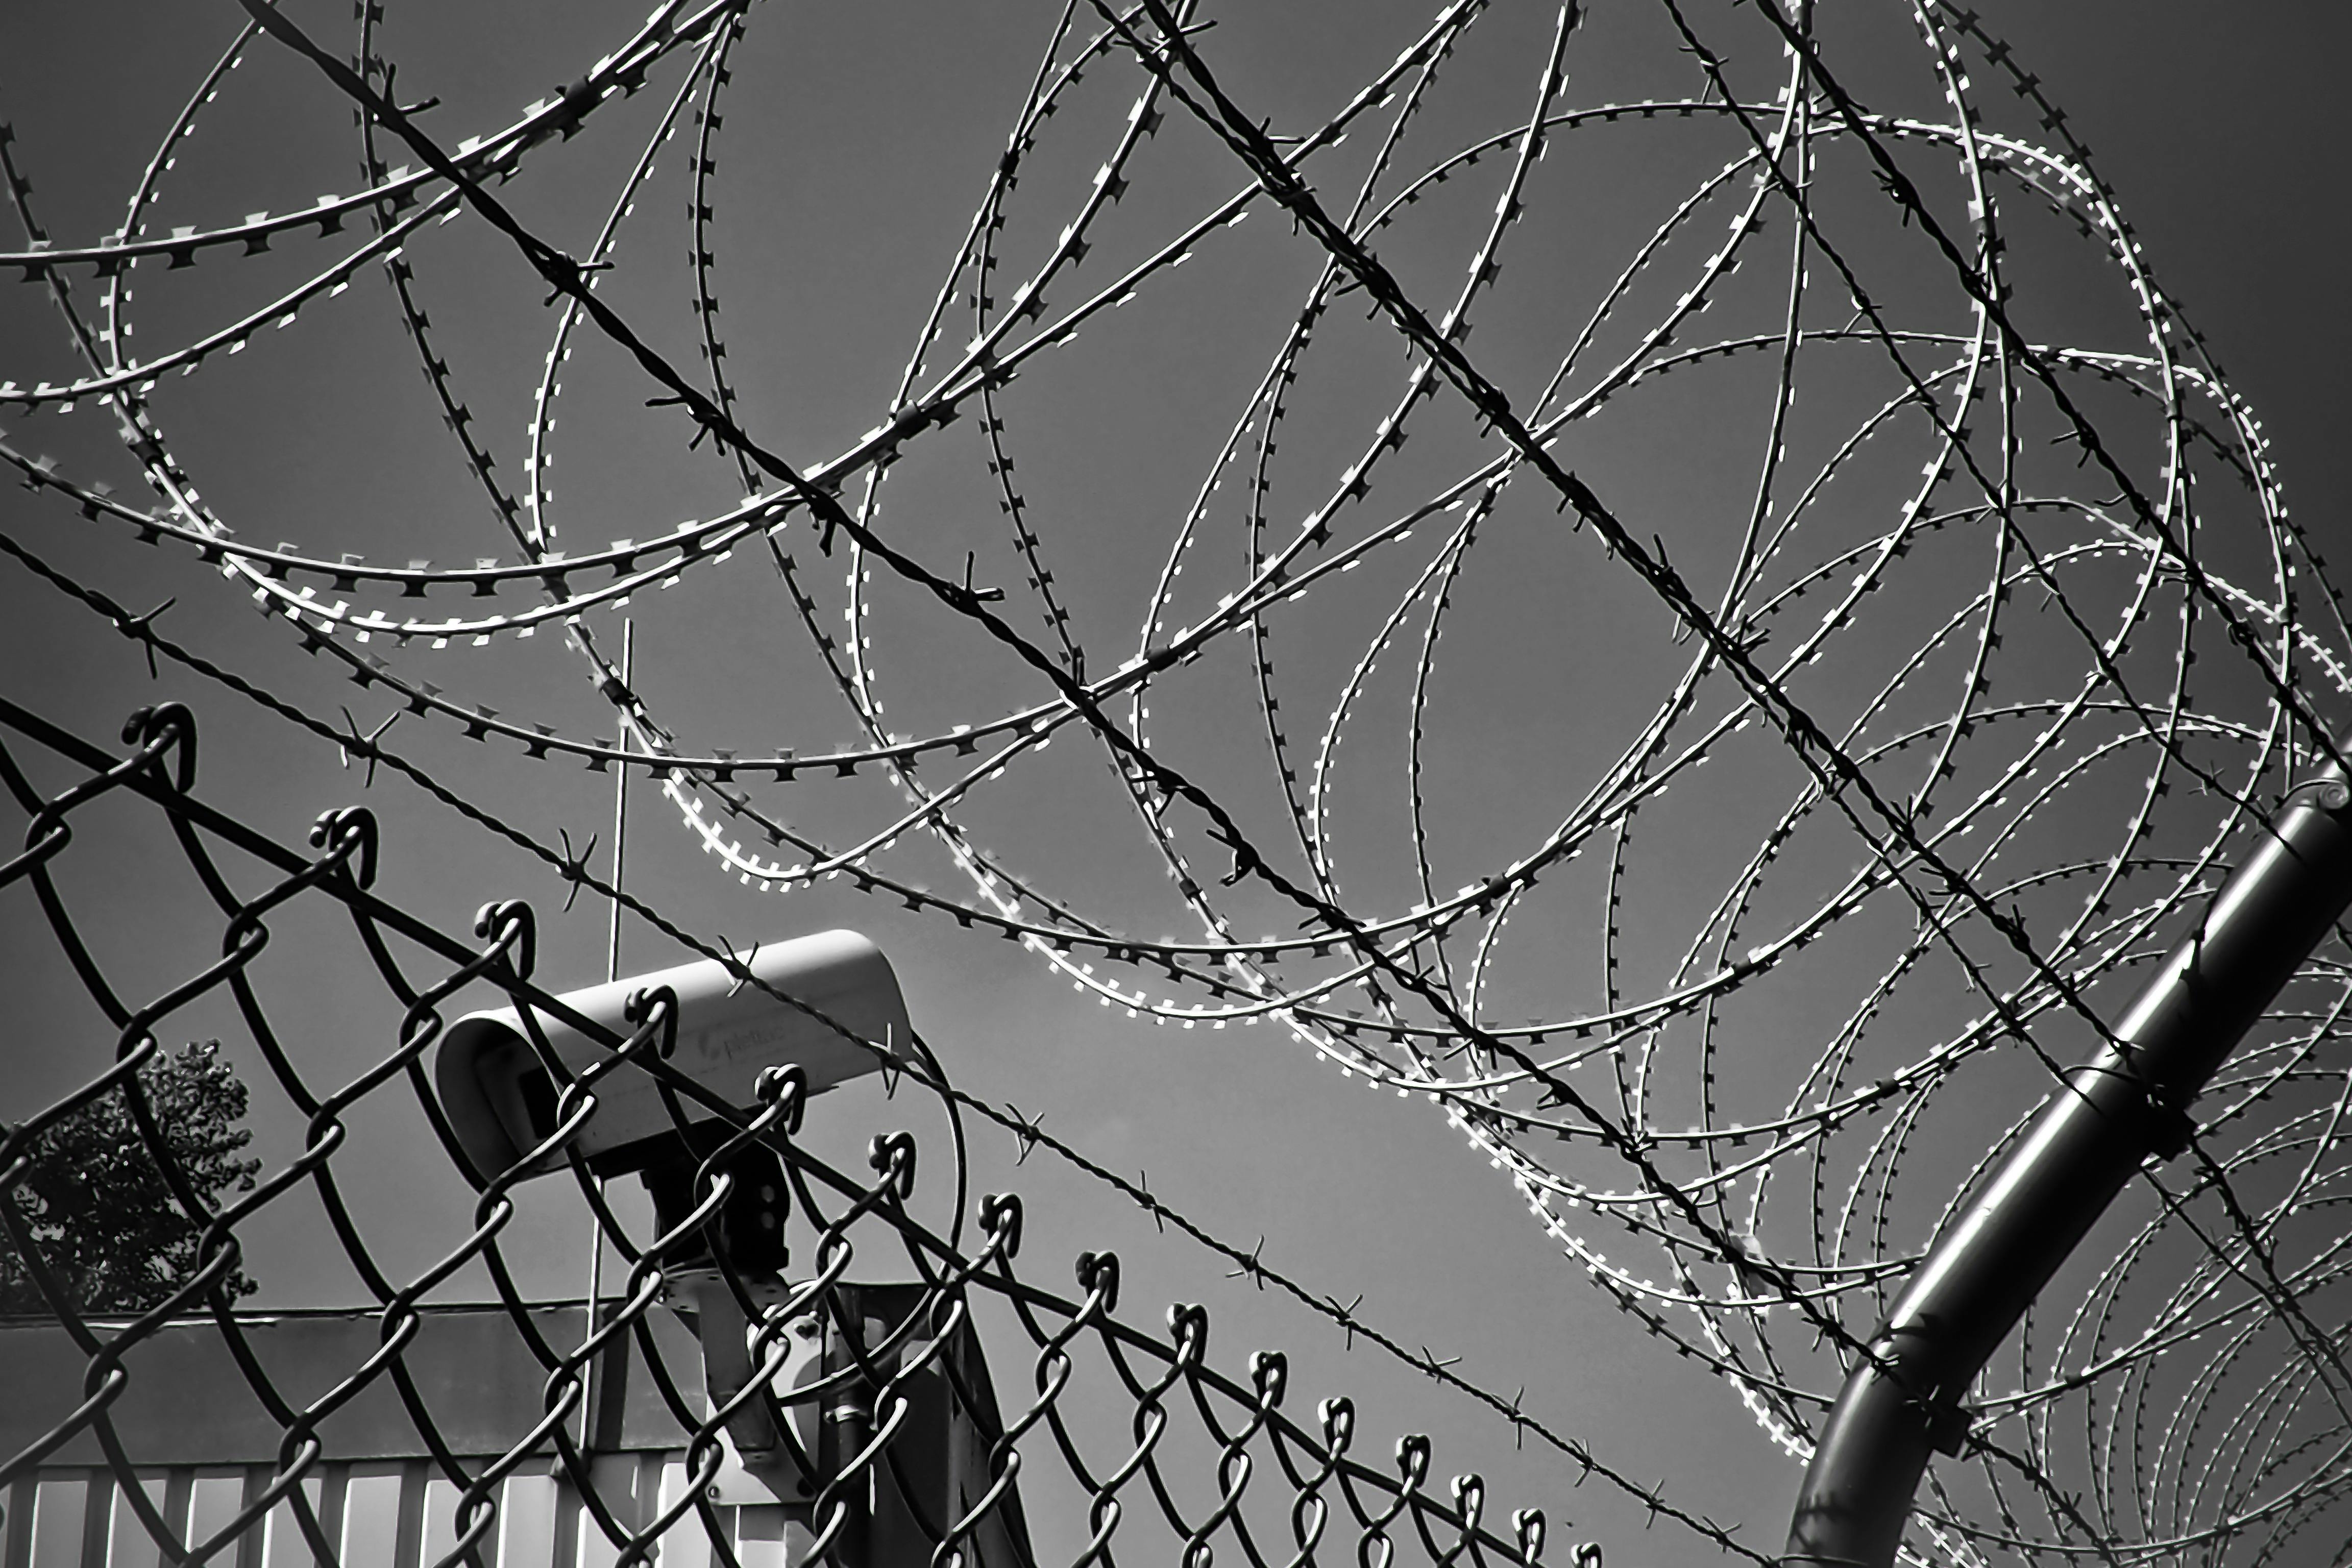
pixel 1199 1462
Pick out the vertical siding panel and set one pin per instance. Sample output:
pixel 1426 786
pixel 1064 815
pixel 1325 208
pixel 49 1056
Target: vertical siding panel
pixel 408 1527
pixel 589 1548
pixel 282 1543
pixel 526 1534
pixel 440 1520
pixel 649 1495
pixel 759 1536
pixel 651 1469
pixel 179 1491
pixel 128 1542
pixel 623 1484
pixel 334 1489
pixel 390 1514
pixel 644 1486
pixel 441 1498
pixel 647 1484
pixel 17 1547
pixel 370 1521
pixel 248 1546
pixel 213 1498
pixel 564 1543
pixel 59 1507
pixel 97 1511
pixel 684 1546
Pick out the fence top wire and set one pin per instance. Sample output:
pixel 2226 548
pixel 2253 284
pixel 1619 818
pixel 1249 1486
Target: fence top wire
pixel 1158 1442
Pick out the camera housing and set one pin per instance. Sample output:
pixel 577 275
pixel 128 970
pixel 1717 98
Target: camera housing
pixel 500 1099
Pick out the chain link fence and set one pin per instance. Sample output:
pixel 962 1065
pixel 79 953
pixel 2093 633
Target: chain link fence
pixel 1167 1453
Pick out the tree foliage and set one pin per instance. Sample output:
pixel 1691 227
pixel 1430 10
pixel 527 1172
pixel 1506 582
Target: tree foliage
pixel 95 1202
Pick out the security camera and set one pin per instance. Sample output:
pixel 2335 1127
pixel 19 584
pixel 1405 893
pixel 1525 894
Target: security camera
pixel 844 1016
pixel 501 1101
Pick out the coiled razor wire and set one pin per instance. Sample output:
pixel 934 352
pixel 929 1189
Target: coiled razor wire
pixel 1870 822
pixel 1280 1491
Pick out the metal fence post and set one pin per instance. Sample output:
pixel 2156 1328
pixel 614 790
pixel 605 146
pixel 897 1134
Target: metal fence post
pixel 2130 1103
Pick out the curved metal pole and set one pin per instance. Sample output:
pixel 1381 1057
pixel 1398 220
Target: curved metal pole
pixel 2129 1104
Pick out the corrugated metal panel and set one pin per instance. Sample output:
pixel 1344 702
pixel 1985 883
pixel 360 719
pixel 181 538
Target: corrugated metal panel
pixel 204 1452
pixel 396 1515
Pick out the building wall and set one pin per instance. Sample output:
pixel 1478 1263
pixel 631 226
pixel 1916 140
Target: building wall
pixel 377 1514
pixel 204 1448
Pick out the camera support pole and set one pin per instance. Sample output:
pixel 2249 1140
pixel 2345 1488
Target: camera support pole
pixel 2130 1104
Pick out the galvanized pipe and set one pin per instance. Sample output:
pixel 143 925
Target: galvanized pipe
pixel 2129 1104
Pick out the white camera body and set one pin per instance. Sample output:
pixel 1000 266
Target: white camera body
pixel 501 1101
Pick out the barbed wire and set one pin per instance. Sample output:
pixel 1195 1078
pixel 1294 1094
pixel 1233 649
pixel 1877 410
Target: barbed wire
pixel 1843 909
